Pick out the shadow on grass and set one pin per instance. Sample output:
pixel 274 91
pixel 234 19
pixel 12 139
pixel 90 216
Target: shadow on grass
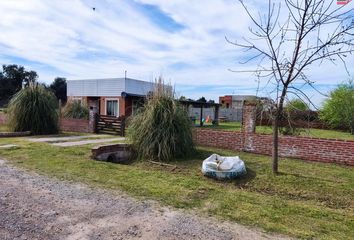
pixel 243 180
pixel 309 178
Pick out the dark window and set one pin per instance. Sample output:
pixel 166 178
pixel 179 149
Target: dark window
pixel 112 108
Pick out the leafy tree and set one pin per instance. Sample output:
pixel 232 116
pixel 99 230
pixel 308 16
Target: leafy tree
pixel 338 109
pixel 182 98
pixel 296 105
pixel 202 99
pixel 33 108
pixel 11 79
pixel 162 130
pixel 59 88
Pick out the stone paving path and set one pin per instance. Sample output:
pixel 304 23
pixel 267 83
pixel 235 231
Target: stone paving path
pixel 79 143
pixel 37 207
pixel 59 139
pixel 8 146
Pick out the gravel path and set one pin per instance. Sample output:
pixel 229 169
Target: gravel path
pixel 36 207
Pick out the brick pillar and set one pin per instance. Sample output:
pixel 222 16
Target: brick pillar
pixel 248 125
pixel 93 119
pixel 249 117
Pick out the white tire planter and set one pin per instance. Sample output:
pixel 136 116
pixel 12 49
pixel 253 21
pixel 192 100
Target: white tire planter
pixel 220 167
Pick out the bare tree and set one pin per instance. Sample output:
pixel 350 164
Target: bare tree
pixel 287 39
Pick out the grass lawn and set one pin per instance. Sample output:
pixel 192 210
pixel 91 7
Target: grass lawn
pixel 3 128
pixel 307 200
pixel 311 132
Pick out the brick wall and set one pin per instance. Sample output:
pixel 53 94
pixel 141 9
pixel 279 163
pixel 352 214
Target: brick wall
pixel 2 118
pixel 311 149
pixel 220 139
pixel 74 125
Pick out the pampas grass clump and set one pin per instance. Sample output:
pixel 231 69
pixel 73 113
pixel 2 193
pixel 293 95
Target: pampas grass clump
pixel 74 109
pixel 34 109
pixel 161 130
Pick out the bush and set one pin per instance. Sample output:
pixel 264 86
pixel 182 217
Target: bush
pixel 338 109
pixel 74 109
pixel 33 109
pixel 294 110
pixel 162 130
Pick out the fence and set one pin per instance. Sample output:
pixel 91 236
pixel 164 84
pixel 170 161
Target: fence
pixel 110 125
pixel 299 119
pixel 230 114
pixel 311 149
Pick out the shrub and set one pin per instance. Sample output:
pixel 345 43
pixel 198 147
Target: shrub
pixel 294 110
pixel 162 130
pixel 33 109
pixel 74 109
pixel 338 109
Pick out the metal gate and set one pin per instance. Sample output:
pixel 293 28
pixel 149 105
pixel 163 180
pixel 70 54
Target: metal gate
pixel 110 125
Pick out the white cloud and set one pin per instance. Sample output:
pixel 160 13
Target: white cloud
pixel 68 38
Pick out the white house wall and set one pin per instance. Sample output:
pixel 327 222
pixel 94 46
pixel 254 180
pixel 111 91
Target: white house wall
pixel 110 87
pixel 138 87
pixel 96 87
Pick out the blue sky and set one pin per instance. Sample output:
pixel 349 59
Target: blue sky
pixel 182 40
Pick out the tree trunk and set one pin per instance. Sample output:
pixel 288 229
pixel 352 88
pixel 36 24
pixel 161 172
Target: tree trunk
pixel 275 143
pixel 277 118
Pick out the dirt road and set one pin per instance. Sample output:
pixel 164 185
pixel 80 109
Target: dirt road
pixel 36 207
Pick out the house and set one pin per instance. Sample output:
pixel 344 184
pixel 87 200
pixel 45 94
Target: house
pixel 110 96
pixel 232 106
pixel 235 101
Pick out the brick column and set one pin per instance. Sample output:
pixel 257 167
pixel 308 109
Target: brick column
pixel 93 119
pixel 249 117
pixel 249 125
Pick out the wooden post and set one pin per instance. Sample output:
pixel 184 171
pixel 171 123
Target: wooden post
pixel 122 127
pixel 201 115
pixel 59 115
pixel 216 114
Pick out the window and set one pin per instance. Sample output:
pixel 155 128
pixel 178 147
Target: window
pixel 112 108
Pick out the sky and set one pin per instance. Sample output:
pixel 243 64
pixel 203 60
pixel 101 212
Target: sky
pixel 181 40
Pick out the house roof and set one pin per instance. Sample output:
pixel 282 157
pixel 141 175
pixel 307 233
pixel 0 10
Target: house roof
pixel 108 87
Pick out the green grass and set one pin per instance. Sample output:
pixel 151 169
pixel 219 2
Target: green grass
pixel 310 132
pixel 307 200
pixel 3 128
pixel 227 126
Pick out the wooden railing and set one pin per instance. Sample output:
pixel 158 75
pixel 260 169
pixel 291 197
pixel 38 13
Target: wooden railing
pixel 110 125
